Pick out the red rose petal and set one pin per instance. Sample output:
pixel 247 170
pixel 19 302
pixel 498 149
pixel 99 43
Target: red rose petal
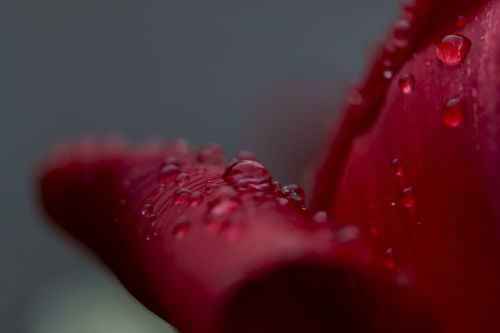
pixel 226 259
pixel 444 136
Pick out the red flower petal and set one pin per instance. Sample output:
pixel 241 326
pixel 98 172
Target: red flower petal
pixel 422 167
pixel 209 257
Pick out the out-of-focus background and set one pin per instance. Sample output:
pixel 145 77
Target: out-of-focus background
pixel 258 75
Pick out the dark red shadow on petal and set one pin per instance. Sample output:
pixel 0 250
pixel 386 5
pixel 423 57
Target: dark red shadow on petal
pixel 320 298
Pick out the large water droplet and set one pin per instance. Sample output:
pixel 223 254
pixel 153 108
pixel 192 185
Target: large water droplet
pixel 452 49
pixel 454 112
pixel 181 229
pixel 181 196
pixel 247 175
pixel 397 167
pixel 408 197
pixel 406 83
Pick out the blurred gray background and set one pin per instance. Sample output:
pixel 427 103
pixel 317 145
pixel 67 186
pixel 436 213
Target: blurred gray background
pixel 258 75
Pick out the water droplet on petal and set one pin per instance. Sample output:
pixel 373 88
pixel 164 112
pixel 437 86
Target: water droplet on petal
pixel 294 193
pixel 220 214
pixel 397 167
pixel 454 112
pixel 226 192
pixel 247 175
pixel 406 83
pixel 355 98
pixel 181 196
pixel 404 277
pixel 348 233
pixel 247 155
pixel 428 62
pixel 320 217
pixel 401 29
pixel 281 201
pixel 452 49
pixel 181 229
pixel 211 153
pixel 234 231
pixel 196 198
pixel 182 179
pixel 387 75
pixel 168 173
pixel 148 211
pixel 460 22
pixel 389 258
pixel 408 197
pixel 275 186
pixel 373 228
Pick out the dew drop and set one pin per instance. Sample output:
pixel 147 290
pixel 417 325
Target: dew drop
pixel 452 49
pixel 408 197
pixel 348 233
pixel 275 187
pixel 226 192
pixel 247 155
pixel 168 173
pixel 460 21
pixel 428 62
pixel 234 231
pixel 401 29
pixel 406 83
pixel 294 193
pixel 281 201
pixel 196 198
pixel 181 196
pixel 181 229
pixel 211 153
pixel 454 112
pixel 397 167
pixel 182 179
pixel 148 211
pixel 389 258
pixel 247 175
pixel 220 214
pixel 373 229
pixel 387 75
pixel 355 98
pixel 404 278
pixel 320 217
